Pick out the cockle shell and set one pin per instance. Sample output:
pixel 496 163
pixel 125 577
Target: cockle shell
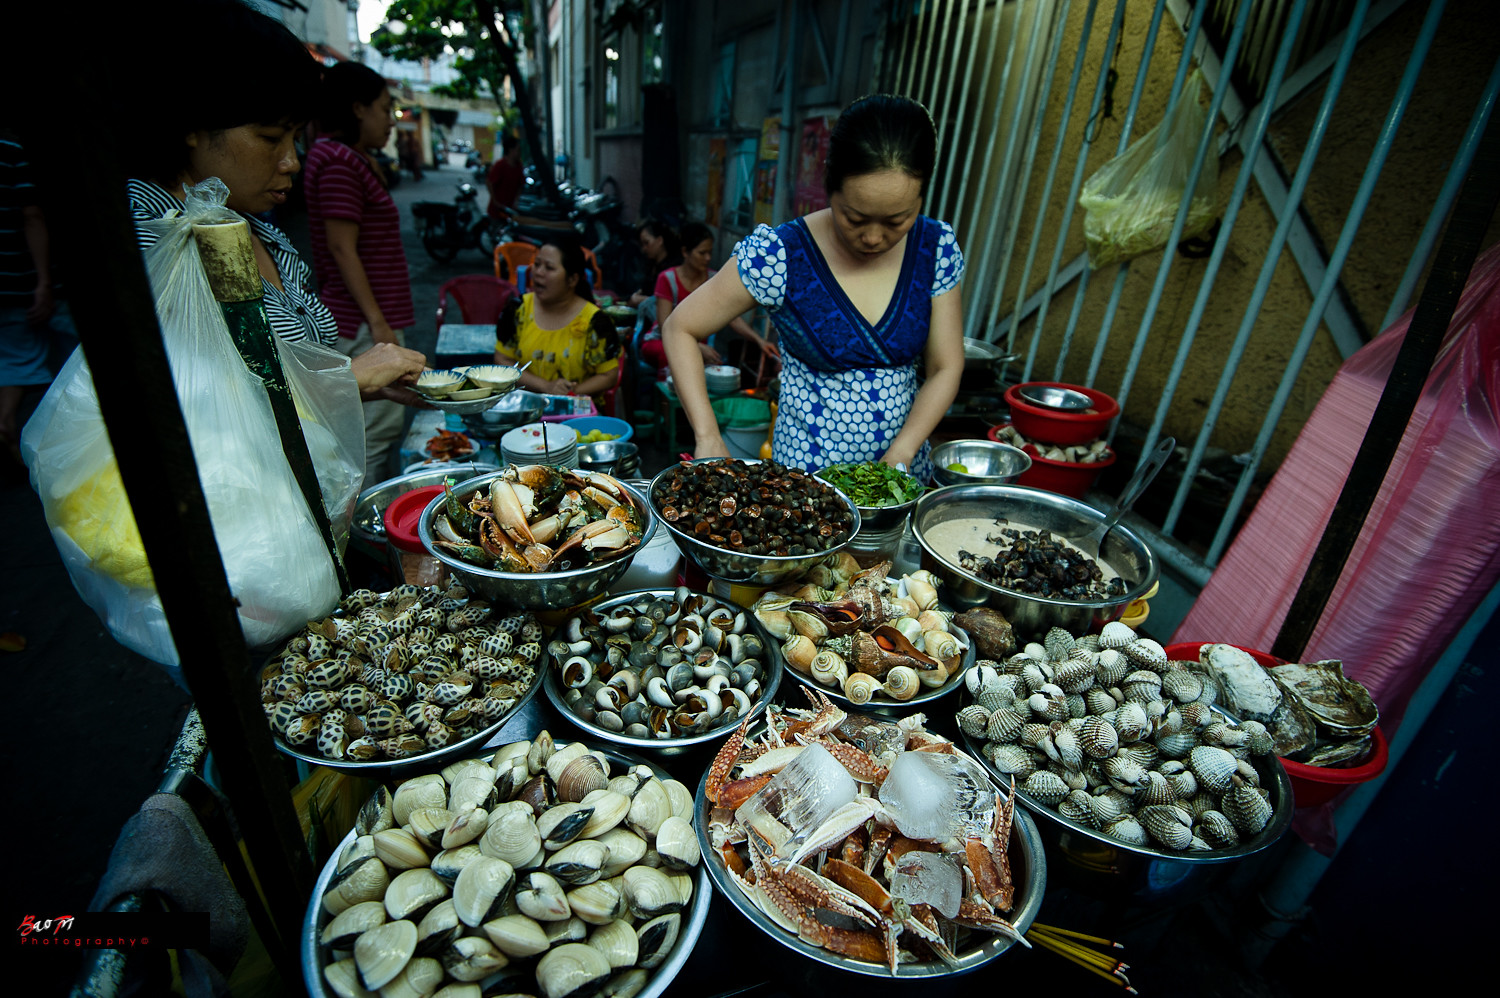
pixel 1004 725
pixel 1216 829
pixel 1098 737
pixel 1116 635
pixel 1246 808
pixel 1046 787
pixel 1167 824
pixel 1011 759
pixel 973 720
pixel 1213 767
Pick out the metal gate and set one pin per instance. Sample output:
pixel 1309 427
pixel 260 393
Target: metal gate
pixel 1022 92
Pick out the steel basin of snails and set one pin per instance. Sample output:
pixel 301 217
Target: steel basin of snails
pixel 1028 875
pixel 738 565
pixel 401 680
pixel 1177 751
pixel 549 590
pixel 1035 509
pixel 518 938
pixel 702 697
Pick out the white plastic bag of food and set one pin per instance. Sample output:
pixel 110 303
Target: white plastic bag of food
pixel 1131 202
pixel 277 565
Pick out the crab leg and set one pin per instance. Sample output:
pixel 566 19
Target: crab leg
pixel 718 771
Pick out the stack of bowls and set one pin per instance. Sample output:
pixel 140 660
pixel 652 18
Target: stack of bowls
pixel 722 379
pixel 540 443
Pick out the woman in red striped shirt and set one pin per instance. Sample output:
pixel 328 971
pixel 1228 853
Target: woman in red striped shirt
pixel 356 235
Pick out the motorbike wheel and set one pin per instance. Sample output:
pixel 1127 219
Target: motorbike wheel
pixel 437 247
pixel 489 237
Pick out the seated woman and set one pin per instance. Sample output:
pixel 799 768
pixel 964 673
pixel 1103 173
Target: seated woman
pixel 659 247
pixel 676 283
pixel 572 345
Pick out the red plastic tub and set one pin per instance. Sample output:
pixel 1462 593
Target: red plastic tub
pixel 1311 785
pixel 1068 478
pixel 1053 426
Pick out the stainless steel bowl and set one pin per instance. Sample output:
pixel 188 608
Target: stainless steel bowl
pixel 1030 615
pixel 1028 870
pixel 671 746
pixel 763 570
pixel 516 409
pixel 1052 397
pixel 1094 858
pixel 988 462
pixel 534 590
pixel 315 955
pixel 620 458
pixel 369 510
pixel 878 519
pixel 885 705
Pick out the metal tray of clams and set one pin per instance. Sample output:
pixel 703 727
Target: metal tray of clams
pixel 315 955
pixel 1028 866
pixel 770 680
pixel 1272 776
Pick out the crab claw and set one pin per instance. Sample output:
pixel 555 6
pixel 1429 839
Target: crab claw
pixel 605 534
pixel 509 512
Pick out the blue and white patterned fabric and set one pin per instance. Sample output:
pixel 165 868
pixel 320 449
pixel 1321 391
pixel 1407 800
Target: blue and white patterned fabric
pixel 847 385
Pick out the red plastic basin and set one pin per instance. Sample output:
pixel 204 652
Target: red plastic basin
pixel 1053 426
pixel 402 514
pixel 1311 785
pixel 1068 478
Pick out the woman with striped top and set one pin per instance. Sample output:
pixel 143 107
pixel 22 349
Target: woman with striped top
pixel 241 131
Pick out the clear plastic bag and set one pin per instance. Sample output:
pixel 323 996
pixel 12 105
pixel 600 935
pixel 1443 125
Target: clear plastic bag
pixel 274 557
pixel 1131 202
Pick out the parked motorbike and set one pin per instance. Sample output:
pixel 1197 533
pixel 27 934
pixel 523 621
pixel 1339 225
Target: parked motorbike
pixel 447 229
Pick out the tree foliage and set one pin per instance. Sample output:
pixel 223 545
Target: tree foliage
pixel 435 28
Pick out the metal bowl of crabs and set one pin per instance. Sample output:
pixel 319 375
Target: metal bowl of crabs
pixel 612 691
pixel 726 563
pixel 946 510
pixel 974 949
pixel 591 575
pixel 326 961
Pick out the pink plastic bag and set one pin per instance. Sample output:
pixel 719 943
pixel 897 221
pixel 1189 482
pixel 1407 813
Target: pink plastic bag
pixel 1430 548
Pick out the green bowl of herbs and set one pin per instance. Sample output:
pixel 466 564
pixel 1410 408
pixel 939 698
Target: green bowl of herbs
pixel 883 494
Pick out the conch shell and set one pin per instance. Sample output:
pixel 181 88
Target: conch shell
pixel 883 649
pixel 992 633
pixel 836 618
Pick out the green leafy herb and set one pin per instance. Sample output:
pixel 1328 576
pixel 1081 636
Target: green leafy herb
pixel 872 483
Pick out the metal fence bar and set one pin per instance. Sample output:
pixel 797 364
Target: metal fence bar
pixel 939 62
pixel 1002 200
pixel 1231 215
pixel 1179 79
pixel 989 148
pixel 1268 266
pixel 940 113
pixel 1205 143
pixel 1330 280
pixel 989 63
pixel 1028 162
pixel 924 46
pixel 1072 199
pixel 1135 103
pixel 963 105
pixel 1445 199
pixel 1041 211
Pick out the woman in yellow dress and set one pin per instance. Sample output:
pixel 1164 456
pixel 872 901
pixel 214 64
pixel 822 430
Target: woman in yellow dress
pixel 572 345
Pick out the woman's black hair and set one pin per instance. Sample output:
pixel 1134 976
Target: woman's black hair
pixel 668 235
pixel 345 85
pixel 694 233
pixel 260 75
pixel 881 132
pixel 574 263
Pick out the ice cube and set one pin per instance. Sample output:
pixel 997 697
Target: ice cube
pixel 929 878
pixel 934 796
pixel 798 799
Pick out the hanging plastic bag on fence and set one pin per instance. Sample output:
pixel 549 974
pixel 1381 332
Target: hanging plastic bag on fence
pixel 1131 202
pixel 274 557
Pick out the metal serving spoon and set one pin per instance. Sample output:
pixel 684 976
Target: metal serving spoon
pixel 1145 471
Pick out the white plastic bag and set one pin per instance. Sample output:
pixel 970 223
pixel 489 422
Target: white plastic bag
pixel 277 565
pixel 1131 202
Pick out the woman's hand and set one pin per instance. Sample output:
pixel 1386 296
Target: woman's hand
pixel 559 386
pixel 895 457
pixel 384 365
pixel 637 298
pixel 710 355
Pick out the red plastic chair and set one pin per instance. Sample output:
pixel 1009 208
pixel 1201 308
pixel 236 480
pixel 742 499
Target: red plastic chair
pixel 480 298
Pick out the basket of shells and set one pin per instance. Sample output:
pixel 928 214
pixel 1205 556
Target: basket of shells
pixel 872 641
pixel 544 869
pixel 867 844
pixel 1105 737
pixel 662 669
pixel 759 523
pixel 400 679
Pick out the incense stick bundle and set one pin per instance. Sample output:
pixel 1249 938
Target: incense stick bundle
pixel 1069 945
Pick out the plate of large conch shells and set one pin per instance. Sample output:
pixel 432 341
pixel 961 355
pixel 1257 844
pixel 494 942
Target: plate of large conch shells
pixel 867 638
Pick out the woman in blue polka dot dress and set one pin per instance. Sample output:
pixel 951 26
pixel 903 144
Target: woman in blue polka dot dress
pixel 858 292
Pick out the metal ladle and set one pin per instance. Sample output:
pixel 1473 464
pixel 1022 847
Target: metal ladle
pixel 1092 542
